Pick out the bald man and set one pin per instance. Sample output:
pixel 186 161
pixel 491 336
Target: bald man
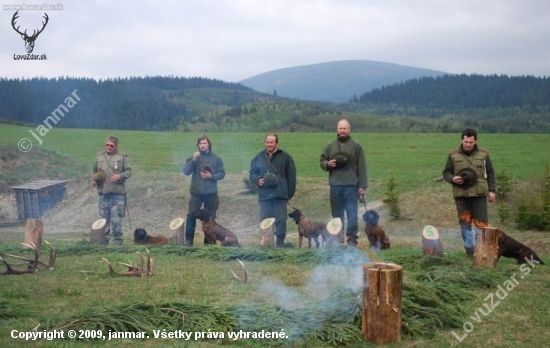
pixel 344 160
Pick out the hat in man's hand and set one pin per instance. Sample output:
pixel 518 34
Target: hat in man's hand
pixel 99 177
pixel 469 177
pixel 342 160
pixel 270 179
pixel 203 167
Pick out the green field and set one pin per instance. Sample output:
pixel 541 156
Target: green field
pixel 304 292
pixel 414 159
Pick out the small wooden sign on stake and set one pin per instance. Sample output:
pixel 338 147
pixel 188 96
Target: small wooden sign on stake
pixel 97 235
pixel 335 237
pixel 431 244
pixel 177 228
pixel 267 237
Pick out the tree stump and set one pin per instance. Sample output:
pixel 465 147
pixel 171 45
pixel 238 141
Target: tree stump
pixel 431 244
pixel 334 237
pixel 486 248
pixel 97 236
pixel 267 227
pixel 177 228
pixel 35 230
pixel 382 293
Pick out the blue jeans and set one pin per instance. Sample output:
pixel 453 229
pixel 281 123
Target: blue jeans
pixel 343 199
pixel 471 211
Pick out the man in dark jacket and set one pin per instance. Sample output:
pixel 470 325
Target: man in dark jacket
pixel 206 169
pixel 275 173
pixel 344 159
pixel 470 171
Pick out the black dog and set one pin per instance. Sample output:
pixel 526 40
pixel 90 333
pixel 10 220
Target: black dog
pixel 375 233
pixel 141 238
pixel 509 247
pixel 308 229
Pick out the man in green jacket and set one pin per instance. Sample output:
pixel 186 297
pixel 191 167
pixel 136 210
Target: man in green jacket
pixel 344 159
pixel 470 171
pixel 206 169
pixel 275 173
pixel 111 170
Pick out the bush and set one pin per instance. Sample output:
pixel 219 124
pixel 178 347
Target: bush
pixel 533 204
pixel 392 199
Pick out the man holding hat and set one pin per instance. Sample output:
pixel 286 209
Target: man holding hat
pixel 344 159
pixel 275 173
pixel 110 172
pixel 206 169
pixel 470 171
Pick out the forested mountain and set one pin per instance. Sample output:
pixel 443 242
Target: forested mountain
pixel 336 81
pixel 464 92
pixel 492 104
pixel 157 103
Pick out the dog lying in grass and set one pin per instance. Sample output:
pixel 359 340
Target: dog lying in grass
pixel 142 238
pixel 308 229
pixel 375 233
pixel 509 247
pixel 213 231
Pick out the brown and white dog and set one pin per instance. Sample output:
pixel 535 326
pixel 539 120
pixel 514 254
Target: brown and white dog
pixel 308 229
pixel 509 247
pixel 375 233
pixel 213 231
pixel 142 238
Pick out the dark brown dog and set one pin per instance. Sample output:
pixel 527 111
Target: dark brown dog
pixel 213 231
pixel 509 247
pixel 375 233
pixel 141 238
pixel 308 229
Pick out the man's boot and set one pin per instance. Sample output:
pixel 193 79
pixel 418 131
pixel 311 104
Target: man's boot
pixel 190 224
pixel 280 241
pixel 470 253
pixel 352 241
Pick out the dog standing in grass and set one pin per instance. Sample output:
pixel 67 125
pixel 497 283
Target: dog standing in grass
pixel 375 233
pixel 142 238
pixel 308 229
pixel 213 231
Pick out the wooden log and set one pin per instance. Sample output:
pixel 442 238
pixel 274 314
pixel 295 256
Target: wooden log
pixel 177 234
pixel 35 230
pixel 267 227
pixel 431 244
pixel 97 235
pixel 382 294
pixel 334 237
pixel 486 248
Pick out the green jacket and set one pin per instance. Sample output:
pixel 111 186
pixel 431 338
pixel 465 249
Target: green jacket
pixel 115 163
pixel 282 165
pixel 355 173
pixel 477 160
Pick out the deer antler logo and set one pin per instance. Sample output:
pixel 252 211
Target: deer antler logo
pixel 29 40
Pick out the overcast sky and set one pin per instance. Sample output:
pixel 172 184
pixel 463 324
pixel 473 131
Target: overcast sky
pixel 232 40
